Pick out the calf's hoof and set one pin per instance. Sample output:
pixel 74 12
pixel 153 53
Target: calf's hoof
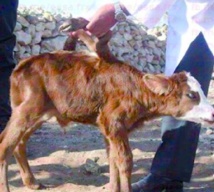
pixel 36 186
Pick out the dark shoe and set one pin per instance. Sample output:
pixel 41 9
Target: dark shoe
pixel 154 183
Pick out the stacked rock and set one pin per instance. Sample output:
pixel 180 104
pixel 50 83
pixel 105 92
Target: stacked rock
pixel 144 49
pixel 37 32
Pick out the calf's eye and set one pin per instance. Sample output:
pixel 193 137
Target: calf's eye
pixel 192 95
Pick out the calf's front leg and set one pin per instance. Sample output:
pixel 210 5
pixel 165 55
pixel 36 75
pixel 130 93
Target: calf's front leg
pixel 120 162
pixel 120 155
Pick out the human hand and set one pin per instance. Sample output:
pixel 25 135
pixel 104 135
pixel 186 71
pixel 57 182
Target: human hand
pixel 102 20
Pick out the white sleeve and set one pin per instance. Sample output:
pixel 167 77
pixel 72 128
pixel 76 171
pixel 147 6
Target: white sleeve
pixel 149 12
pixel 205 18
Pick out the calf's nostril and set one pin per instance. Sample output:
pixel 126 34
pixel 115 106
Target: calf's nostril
pixel 213 114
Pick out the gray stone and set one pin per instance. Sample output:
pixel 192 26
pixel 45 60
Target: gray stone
pixel 31 30
pixel 40 26
pixel 149 58
pixel 23 38
pixel 58 17
pixel 22 50
pixel 36 49
pixel 28 49
pixel 157 51
pixel 32 19
pixel 18 26
pixel 22 21
pixel 25 55
pixel 50 25
pixel 56 43
pixel 37 38
pixel 48 16
pixel 128 36
pixel 47 33
pixel 92 167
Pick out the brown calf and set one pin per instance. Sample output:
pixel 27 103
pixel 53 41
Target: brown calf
pixel 83 87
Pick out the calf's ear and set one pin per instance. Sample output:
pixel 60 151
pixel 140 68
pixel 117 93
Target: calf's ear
pixel 158 84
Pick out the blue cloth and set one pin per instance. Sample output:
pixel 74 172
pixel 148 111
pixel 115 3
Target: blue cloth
pixel 175 156
pixel 8 15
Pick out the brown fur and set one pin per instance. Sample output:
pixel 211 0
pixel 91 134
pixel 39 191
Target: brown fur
pixel 83 88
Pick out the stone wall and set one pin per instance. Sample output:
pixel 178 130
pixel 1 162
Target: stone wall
pixel 37 32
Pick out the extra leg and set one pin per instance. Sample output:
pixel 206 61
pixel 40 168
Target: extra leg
pixel 23 117
pixel 20 150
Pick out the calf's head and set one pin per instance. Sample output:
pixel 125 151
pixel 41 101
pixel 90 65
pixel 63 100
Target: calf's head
pixel 182 96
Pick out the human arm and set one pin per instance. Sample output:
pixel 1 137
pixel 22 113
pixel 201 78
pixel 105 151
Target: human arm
pixel 104 19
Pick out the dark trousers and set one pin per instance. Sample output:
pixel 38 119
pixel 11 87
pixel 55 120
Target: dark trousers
pixel 8 15
pixel 175 156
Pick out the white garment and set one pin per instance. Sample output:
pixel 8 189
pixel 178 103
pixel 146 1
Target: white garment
pixel 187 18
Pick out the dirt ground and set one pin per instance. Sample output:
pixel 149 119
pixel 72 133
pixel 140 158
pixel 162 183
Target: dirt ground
pixel 58 159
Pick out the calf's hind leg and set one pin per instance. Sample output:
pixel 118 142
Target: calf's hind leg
pixel 23 117
pixel 21 155
pixel 21 159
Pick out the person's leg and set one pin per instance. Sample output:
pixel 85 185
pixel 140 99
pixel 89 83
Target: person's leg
pixel 5 109
pixel 175 156
pixel 8 14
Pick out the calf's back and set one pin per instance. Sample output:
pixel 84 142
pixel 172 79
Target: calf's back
pixel 77 84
